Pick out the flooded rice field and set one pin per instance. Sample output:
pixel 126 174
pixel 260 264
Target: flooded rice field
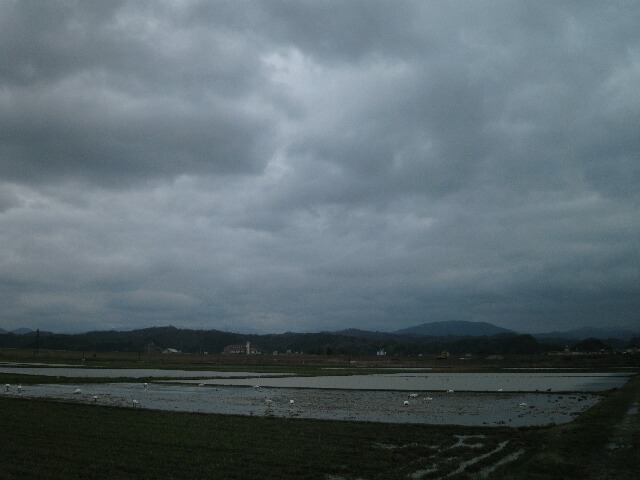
pixel 82 372
pixel 426 382
pixel 392 398
pixel 439 408
pixel 471 399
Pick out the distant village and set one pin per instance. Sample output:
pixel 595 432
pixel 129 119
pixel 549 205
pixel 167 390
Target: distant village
pixel 249 349
pixel 234 349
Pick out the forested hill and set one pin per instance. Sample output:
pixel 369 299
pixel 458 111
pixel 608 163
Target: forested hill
pixel 349 342
pixel 460 328
pixel 214 341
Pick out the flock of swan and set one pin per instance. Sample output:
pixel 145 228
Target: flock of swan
pixel 269 402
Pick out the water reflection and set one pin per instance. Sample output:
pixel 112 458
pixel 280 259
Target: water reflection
pixel 81 372
pixel 468 382
pixel 512 399
pixel 472 409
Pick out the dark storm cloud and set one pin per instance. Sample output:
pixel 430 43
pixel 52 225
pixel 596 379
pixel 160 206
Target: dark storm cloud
pixel 319 165
pixel 125 92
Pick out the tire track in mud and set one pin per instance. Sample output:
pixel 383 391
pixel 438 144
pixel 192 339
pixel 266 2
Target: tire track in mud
pixel 477 456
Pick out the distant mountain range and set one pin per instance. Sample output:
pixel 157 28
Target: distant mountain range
pixel 458 328
pixel 17 331
pixel 461 328
pixel 591 332
pixel 428 338
pixel 477 329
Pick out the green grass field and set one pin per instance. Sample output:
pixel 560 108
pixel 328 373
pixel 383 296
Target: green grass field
pixel 51 440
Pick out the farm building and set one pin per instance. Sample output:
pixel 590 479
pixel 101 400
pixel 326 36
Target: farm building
pixel 240 349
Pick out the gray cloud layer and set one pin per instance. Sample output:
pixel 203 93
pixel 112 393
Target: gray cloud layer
pixel 282 165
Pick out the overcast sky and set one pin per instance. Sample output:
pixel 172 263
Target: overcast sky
pixel 276 166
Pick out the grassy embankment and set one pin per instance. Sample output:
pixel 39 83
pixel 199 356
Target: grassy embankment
pixel 52 440
pixel 603 443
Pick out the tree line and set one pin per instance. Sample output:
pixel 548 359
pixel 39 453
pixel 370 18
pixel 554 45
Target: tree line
pixel 324 343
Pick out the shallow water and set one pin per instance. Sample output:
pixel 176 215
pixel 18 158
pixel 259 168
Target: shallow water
pixel 473 409
pixel 474 399
pixel 430 382
pixel 82 372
